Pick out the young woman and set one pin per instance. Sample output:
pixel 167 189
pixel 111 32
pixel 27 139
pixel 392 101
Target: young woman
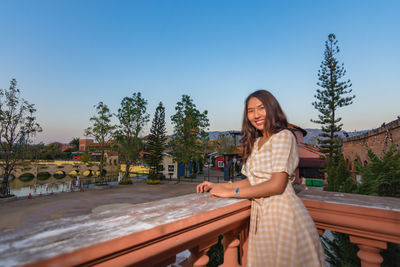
pixel 282 233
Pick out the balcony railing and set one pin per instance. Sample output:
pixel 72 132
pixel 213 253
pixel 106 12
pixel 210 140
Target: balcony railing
pixel 151 234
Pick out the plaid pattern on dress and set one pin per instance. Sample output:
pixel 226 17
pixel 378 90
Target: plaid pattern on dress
pixel 282 233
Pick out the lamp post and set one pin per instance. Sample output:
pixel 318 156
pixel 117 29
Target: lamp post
pixel 208 167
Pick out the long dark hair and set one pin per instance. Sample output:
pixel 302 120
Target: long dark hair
pixel 275 121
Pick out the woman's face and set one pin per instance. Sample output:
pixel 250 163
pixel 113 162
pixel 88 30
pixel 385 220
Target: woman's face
pixel 256 113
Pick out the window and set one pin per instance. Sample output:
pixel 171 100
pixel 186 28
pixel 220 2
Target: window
pixel 160 168
pixel 171 168
pixel 220 164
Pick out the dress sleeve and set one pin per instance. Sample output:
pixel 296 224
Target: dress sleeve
pixel 244 170
pixel 284 153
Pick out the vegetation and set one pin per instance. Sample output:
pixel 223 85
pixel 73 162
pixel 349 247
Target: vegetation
pixel 189 132
pixel 75 142
pixel 330 97
pixel 157 138
pixel 17 126
pixel 226 144
pixel 86 158
pixel 152 181
pixel 132 118
pixel 101 131
pixel 50 152
pixel 339 178
pixel 380 177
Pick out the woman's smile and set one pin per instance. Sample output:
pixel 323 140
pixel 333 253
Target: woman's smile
pixel 256 113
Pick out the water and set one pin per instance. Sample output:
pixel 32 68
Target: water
pixel 54 188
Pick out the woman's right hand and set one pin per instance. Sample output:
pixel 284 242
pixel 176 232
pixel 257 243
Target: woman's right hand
pixel 204 187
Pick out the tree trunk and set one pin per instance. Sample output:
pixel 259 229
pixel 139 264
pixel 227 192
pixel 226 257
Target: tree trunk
pixel 186 169
pixel 101 177
pixel 5 185
pixel 127 168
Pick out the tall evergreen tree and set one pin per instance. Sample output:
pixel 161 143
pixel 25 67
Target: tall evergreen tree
pixel 189 131
pixel 330 97
pixel 132 118
pixel 157 138
pixel 101 131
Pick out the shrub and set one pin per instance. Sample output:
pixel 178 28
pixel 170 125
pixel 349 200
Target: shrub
pixel 148 181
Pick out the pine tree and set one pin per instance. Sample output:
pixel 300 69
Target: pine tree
pixel 330 97
pixel 157 138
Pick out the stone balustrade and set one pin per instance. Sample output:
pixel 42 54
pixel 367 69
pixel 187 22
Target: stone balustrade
pixel 151 234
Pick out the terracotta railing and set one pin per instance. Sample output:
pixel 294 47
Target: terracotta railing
pixel 151 234
pixel 370 221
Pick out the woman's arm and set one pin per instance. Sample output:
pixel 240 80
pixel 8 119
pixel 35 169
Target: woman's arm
pixel 274 186
pixel 207 186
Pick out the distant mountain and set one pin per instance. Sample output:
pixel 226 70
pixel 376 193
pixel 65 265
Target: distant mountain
pixel 310 138
pixel 312 135
pixel 215 134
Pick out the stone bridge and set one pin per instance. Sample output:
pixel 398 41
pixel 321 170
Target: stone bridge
pixel 30 174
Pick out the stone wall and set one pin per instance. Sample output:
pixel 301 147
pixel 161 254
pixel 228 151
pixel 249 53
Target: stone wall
pixel 378 140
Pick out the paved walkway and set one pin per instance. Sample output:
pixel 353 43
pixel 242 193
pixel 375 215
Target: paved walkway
pixel 24 212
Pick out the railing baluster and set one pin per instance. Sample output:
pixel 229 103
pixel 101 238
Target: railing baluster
pixel 198 258
pixel 321 231
pixel 369 251
pixel 244 243
pixel 231 244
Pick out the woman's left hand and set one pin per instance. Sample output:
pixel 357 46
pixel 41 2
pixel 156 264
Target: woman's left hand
pixel 220 191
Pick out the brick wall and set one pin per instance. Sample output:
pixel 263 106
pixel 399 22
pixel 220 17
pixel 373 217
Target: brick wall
pixel 378 140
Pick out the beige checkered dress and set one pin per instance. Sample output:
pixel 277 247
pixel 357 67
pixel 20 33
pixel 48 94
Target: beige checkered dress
pixel 282 233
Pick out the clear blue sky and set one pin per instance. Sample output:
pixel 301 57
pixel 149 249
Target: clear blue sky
pixel 69 55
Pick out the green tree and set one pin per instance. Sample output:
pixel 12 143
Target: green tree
pixel 75 142
pixel 204 148
pixel 189 128
pixel 226 144
pixel 330 97
pixel 101 131
pixel 86 157
pixel 339 250
pixel 132 118
pixel 380 177
pixel 339 178
pixel 157 138
pixel 17 126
